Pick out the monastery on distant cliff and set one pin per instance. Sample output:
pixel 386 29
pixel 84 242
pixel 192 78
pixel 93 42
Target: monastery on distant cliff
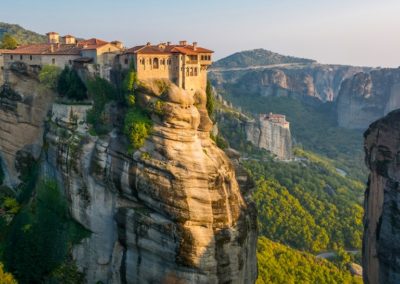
pixel 183 64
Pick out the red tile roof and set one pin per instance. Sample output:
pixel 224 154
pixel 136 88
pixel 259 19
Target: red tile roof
pixel 167 49
pixel 59 49
pixel 45 48
pixel 92 43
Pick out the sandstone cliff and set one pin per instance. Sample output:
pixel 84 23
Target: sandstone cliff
pixel 308 80
pixel 23 110
pixel 270 135
pixel 368 96
pixel 172 212
pixel 381 247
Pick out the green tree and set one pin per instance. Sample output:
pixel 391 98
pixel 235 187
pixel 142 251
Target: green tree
pixel 210 99
pixel 38 239
pixel 49 76
pixel 8 42
pixel 71 86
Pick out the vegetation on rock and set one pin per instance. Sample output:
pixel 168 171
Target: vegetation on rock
pixel 137 127
pixel 49 76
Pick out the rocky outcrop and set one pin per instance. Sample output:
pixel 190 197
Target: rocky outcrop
pixel 172 212
pixel 23 109
pixel 366 97
pixel 381 246
pixel 301 80
pixel 271 134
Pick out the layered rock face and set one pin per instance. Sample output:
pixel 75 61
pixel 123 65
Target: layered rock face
pixel 381 246
pixel 23 109
pixel 308 80
pixel 368 96
pixel 270 135
pixel 172 212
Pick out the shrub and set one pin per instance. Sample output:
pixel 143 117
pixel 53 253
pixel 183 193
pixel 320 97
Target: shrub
pixel 49 75
pixel 137 127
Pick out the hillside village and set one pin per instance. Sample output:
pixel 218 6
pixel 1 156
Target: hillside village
pixel 183 64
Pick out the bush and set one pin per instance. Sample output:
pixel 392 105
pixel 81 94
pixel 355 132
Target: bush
pixel 137 127
pixel 71 86
pixel 49 75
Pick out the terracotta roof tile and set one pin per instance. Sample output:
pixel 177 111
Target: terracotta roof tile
pixel 47 49
pixel 92 43
pixel 167 49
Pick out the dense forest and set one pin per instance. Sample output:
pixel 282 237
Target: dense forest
pixel 282 265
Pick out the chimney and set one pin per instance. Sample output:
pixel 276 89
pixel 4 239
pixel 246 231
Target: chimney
pixel 53 37
pixel 148 43
pixel 194 45
pixel 183 42
pixel 168 43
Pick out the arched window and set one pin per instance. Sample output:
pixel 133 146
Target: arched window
pixel 169 61
pixel 191 71
pixel 162 61
pixel 155 63
pixel 195 71
pixel 187 71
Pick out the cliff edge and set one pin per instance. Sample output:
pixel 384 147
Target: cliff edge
pixel 381 246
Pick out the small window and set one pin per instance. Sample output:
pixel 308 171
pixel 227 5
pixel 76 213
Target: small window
pixel 126 61
pixel 70 62
pixel 53 61
pixel 12 57
pixel 30 57
pixel 21 57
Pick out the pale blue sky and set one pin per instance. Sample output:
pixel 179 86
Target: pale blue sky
pixel 358 32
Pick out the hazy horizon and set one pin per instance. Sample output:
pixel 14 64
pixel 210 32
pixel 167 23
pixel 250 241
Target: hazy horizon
pixel 355 32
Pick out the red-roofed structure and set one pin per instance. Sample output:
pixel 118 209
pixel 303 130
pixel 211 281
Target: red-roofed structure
pixel 63 53
pixel 183 64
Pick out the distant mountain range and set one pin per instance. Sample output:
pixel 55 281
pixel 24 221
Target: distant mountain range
pixel 23 36
pixel 257 57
